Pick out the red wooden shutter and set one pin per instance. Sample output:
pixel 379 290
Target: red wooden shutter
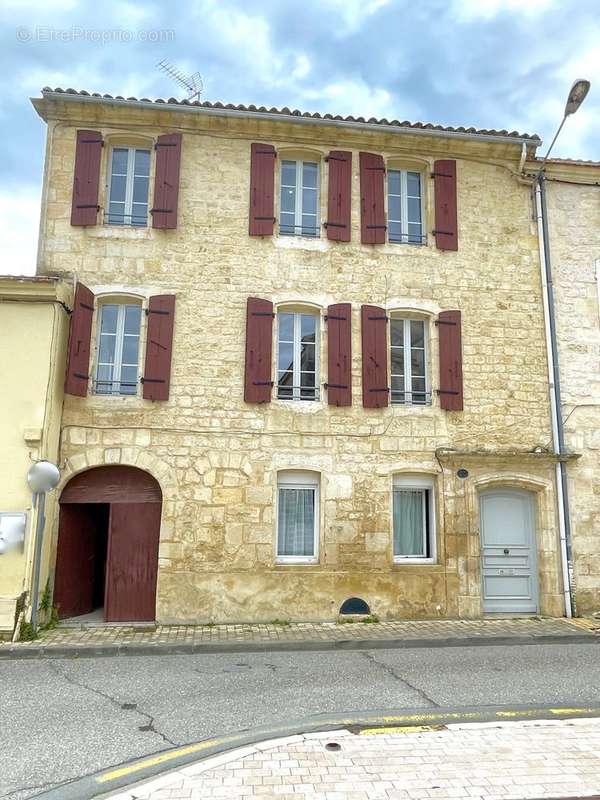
pixel 446 224
pixel 80 333
pixel 259 349
pixel 86 178
pixel 262 189
pixel 166 181
pixel 159 347
pixel 450 347
pixel 372 207
pixel 339 194
pixel 374 357
pixel 339 355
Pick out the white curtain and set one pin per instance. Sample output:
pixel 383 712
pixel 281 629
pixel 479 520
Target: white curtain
pixel 296 523
pixel 408 522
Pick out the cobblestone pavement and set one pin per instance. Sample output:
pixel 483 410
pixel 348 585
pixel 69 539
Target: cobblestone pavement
pixel 102 635
pixel 495 761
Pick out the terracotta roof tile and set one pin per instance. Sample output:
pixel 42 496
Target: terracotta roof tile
pixel 287 112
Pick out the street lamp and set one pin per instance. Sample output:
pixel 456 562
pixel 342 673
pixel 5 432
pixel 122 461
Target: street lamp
pixel 42 477
pixel 577 95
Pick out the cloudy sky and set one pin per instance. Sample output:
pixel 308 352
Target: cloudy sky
pixel 487 63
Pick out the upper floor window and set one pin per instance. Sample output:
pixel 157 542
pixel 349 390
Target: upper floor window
pixel 118 348
pixel 413 518
pixel 297 356
pixel 299 198
pixel 408 372
pixel 297 517
pixel 128 188
pixel 405 207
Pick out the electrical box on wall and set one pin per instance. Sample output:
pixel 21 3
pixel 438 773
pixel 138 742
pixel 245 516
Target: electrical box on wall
pixel 12 531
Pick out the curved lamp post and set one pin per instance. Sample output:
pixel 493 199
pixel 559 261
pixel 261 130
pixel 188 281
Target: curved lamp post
pixel 42 477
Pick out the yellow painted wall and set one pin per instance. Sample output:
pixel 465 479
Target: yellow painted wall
pixel 217 458
pixel 32 351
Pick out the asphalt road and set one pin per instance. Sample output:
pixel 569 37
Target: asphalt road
pixel 61 719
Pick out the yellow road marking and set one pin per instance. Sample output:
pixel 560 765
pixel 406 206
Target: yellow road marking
pixel 400 729
pixel 162 757
pixel 409 723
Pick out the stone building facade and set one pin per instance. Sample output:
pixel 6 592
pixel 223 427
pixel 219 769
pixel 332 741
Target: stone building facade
pixel 573 197
pixel 230 470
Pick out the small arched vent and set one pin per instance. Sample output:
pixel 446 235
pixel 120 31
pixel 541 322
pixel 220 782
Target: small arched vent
pixel 355 605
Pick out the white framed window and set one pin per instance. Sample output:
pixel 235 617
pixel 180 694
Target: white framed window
pixel 297 517
pixel 118 347
pixel 128 186
pixel 299 198
pixel 409 375
pixel 413 519
pixel 297 355
pixel 405 207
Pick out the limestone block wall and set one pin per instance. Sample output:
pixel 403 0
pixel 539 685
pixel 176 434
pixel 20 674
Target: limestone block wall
pixel 574 214
pixel 219 457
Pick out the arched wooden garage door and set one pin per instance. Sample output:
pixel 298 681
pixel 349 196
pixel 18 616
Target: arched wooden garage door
pixel 107 553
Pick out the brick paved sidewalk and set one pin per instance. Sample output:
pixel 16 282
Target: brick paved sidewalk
pixel 495 761
pixel 107 639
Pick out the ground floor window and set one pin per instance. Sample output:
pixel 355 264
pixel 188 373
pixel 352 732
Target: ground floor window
pixel 297 517
pixel 413 518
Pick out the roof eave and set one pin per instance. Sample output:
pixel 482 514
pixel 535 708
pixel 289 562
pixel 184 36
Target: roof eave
pixel 224 112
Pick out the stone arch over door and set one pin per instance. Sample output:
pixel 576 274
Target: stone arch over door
pixel 107 551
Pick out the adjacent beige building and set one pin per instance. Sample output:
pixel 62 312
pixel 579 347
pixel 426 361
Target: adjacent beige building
pixel 357 409
pixel 573 194
pixel 34 328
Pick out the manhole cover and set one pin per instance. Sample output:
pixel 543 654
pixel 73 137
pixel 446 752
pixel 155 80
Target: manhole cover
pixel 333 746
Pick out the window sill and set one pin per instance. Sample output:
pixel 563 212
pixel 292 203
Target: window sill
pixel 297 242
pixel 291 561
pixel 416 561
pixel 119 232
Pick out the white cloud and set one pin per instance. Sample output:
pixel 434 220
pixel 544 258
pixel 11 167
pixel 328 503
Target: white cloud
pixel 354 12
pixel 488 9
pixel 20 213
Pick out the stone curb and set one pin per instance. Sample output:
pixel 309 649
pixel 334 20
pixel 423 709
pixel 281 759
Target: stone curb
pixel 307 645
pixel 107 782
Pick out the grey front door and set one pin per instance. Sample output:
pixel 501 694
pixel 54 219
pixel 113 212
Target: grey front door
pixel 508 551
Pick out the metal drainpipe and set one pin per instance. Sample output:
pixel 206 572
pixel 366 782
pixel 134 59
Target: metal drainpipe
pixel 557 422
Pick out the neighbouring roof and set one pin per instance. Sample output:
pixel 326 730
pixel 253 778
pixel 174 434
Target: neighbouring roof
pixel 243 110
pixel 571 161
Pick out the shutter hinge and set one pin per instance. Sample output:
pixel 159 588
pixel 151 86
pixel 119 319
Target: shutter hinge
pixel 336 158
pixel 270 219
pixel 334 224
pixel 444 322
pixel 385 318
pixel 335 386
pixel 262 383
pixel 156 311
pixel 377 169
pixel 263 314
pixel 164 144
pixel 332 316
pixel 384 227
pixel 440 175
pixel 85 305
pixel 92 141
pixel 445 233
pixel 161 210
pixel 152 380
pixel 387 388
pixel 92 205
pixel 266 153
pixel 79 375
pixel 445 391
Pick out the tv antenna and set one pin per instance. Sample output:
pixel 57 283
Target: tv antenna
pixel 193 83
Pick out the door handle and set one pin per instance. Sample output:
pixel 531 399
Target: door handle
pixel 506 551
